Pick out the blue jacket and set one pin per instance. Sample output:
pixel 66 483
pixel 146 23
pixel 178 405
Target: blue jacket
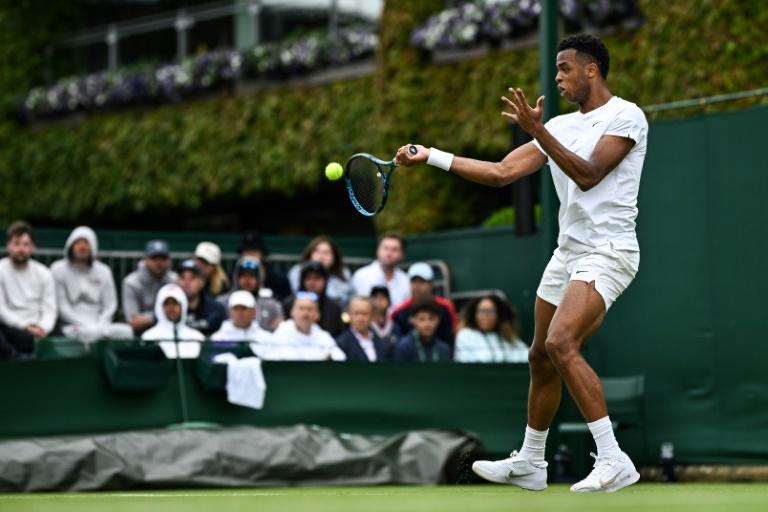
pixel 407 350
pixel 347 341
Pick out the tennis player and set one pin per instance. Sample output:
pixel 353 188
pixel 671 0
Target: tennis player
pixel 596 157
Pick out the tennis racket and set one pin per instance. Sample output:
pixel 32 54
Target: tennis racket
pixel 368 179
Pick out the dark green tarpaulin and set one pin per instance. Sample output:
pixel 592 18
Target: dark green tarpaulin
pixel 230 457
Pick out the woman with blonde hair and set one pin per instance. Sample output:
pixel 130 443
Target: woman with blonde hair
pixel 489 334
pixel 208 256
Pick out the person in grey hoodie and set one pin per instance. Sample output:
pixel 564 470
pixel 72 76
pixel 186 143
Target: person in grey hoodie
pixel 85 291
pixel 140 287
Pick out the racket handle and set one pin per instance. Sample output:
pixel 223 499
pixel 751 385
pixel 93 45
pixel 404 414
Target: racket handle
pixel 412 149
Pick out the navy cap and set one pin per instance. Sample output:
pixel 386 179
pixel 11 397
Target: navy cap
pixel 157 248
pixel 192 266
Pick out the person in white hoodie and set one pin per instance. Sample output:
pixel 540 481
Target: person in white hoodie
pixel 300 338
pixel 171 328
pixel 85 291
pixel 27 295
pixel 243 324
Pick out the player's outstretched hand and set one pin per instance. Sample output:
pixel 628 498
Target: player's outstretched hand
pixel 406 158
pixel 528 118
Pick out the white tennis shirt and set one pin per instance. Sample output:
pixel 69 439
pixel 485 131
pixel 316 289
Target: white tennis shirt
pixel 606 212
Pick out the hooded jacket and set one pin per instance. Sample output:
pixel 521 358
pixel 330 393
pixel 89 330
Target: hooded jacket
pixel 166 331
pixel 140 289
pixel 85 295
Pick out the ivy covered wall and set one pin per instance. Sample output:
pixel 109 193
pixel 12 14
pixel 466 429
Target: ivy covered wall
pixel 278 140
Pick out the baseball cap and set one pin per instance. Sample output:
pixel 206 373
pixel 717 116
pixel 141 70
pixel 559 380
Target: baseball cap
pixel 191 265
pixel 421 270
pixel 307 295
pixel 157 248
pixel 248 264
pixel 241 298
pixel 313 266
pixel 209 252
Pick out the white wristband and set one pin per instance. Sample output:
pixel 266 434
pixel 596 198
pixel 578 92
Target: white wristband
pixel 440 159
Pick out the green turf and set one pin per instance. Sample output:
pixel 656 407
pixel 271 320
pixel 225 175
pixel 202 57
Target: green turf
pixel 476 498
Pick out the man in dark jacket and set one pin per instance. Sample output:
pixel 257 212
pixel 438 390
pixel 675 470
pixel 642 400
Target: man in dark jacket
pixel 422 344
pixel 252 245
pixel 203 313
pixel 359 342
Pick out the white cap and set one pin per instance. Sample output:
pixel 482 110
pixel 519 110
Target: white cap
pixel 242 298
pixel 209 252
pixel 421 270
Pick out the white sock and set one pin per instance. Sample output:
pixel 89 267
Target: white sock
pixel 602 431
pixel 533 445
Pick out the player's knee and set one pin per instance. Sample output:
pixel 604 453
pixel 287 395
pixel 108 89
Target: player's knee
pixel 561 347
pixel 538 358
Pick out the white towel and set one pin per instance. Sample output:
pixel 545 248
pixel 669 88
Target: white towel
pixel 245 382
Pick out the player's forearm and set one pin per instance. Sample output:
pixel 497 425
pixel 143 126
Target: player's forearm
pixel 480 171
pixel 581 171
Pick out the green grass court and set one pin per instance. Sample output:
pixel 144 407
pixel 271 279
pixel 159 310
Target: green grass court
pixel 476 498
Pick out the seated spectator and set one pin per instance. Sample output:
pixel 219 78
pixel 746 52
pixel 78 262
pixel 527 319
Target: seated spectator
pixel 208 257
pixel 85 291
pixel 300 338
pixel 422 288
pixel 203 313
pixel 252 245
pixel 422 344
pixel 489 334
pixel 140 286
pixel 27 295
pixel 359 342
pixel 314 278
pixel 324 250
pixel 242 325
pixel 171 328
pixel 247 276
pixel 384 271
pixel 381 323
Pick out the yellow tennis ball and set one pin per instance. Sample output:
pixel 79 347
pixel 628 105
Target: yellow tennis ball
pixel 333 171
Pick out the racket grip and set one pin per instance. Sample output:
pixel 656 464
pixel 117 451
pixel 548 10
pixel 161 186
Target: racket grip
pixel 413 149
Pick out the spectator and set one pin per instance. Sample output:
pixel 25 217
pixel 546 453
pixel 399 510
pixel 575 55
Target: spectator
pixel 359 342
pixel 324 250
pixel 140 287
pixel 384 270
pixel 489 334
pixel 247 276
pixel 208 257
pixel 300 338
pixel 85 291
pixel 381 323
pixel 171 327
pixel 314 278
pixel 252 244
pixel 422 344
pixel 242 325
pixel 421 277
pixel 203 313
pixel 27 295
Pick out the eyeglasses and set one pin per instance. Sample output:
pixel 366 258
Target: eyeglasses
pixel 486 311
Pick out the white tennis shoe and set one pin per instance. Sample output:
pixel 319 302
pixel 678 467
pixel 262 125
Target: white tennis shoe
pixel 514 470
pixel 609 475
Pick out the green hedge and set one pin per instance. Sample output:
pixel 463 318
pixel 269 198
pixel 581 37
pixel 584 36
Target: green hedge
pixel 279 140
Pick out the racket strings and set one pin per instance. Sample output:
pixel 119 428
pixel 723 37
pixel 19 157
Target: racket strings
pixel 367 183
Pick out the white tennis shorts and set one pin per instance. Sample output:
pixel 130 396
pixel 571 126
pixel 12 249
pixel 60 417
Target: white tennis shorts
pixel 611 269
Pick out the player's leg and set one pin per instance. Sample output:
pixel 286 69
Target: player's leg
pixel 580 313
pixel 527 468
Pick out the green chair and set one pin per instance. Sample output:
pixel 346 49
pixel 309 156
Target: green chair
pixel 60 347
pixel 625 397
pixel 135 365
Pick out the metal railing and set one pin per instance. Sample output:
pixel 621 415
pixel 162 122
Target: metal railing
pixel 123 263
